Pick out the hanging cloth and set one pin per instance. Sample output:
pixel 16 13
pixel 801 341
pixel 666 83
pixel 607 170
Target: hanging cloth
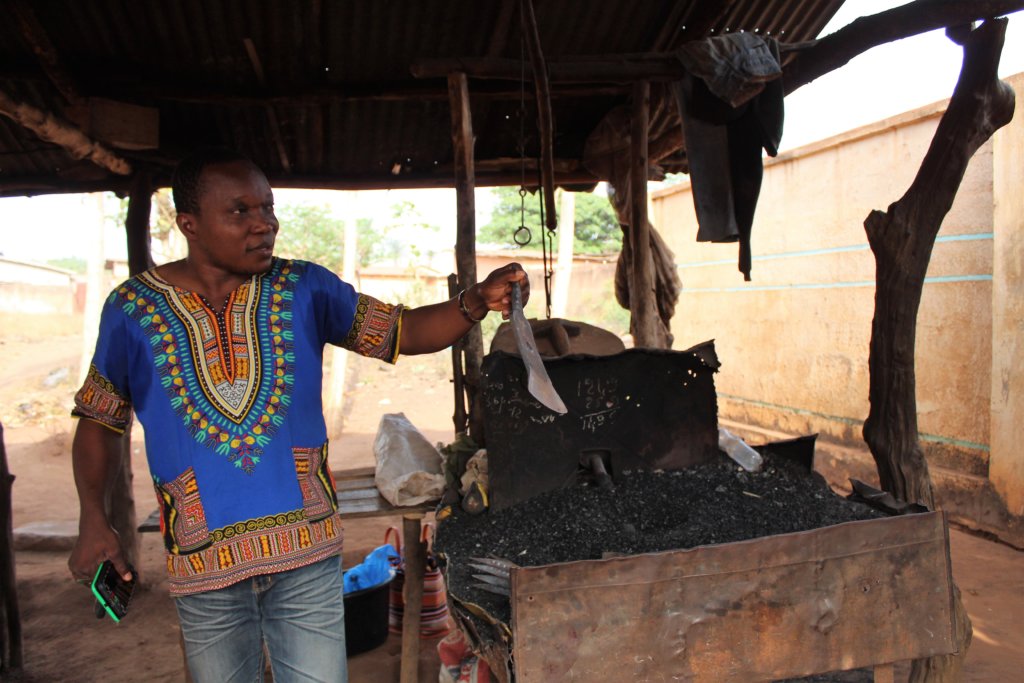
pixel 730 103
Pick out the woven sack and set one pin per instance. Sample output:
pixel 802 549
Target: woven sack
pixel 434 621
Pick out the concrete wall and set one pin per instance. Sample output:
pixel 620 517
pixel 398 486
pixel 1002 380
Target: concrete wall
pixel 33 288
pixel 591 286
pixel 1006 469
pixel 794 342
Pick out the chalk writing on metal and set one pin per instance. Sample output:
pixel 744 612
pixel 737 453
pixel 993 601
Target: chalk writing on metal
pixel 591 422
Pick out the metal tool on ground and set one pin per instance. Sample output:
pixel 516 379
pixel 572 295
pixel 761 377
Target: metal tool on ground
pixel 475 500
pixel 594 463
pixel 496 574
pixel 537 381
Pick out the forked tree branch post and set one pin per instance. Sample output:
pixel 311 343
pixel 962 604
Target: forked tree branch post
pixel 11 659
pixel 901 240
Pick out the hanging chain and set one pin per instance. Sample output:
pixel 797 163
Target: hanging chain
pixel 522 236
pixel 547 246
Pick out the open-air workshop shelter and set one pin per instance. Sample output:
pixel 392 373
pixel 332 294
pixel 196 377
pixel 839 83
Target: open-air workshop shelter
pixel 108 95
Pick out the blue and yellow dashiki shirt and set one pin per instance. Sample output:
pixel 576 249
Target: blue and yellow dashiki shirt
pixel 231 407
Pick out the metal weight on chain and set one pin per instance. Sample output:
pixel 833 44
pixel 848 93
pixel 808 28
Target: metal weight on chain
pixel 518 236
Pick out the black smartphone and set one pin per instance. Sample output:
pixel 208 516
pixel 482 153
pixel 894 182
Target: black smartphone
pixel 112 592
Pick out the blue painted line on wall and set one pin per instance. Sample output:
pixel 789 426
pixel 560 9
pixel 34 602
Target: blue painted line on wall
pixel 853 422
pixel 943 279
pixel 829 250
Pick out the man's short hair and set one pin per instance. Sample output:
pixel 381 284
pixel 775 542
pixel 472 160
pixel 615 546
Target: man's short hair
pixel 186 183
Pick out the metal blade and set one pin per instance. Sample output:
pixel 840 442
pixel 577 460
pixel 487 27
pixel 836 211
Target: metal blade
pixel 493 571
pixel 492 563
pixel 493 589
pixel 493 580
pixel 537 381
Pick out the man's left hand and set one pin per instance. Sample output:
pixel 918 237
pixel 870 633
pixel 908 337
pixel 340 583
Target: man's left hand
pixel 496 290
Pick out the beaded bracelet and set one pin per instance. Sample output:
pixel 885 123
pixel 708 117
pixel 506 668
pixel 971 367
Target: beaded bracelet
pixel 465 311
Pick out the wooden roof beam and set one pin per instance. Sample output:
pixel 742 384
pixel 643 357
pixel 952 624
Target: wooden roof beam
pixel 52 129
pixel 500 33
pixel 489 173
pixel 817 58
pixel 272 123
pixel 34 34
pixel 428 93
pixel 624 68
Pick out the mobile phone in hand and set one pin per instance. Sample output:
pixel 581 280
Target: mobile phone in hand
pixel 112 592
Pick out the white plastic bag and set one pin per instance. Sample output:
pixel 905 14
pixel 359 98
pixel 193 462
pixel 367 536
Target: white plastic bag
pixel 408 467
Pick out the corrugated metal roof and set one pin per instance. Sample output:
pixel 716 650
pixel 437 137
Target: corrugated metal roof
pixel 320 92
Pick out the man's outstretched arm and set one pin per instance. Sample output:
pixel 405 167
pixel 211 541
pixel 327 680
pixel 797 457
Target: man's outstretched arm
pixel 431 328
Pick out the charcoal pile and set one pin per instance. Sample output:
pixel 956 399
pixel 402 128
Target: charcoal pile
pixel 643 512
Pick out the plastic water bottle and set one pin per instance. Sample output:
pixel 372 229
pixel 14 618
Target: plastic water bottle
pixel 737 449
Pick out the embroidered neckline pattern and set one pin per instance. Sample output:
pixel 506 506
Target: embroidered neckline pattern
pixel 231 393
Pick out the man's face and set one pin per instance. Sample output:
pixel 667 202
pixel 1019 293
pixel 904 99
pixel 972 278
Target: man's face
pixel 235 228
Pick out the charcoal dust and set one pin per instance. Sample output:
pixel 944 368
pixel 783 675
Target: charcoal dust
pixel 643 512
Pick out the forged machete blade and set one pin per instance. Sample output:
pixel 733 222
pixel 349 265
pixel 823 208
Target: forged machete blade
pixel 537 381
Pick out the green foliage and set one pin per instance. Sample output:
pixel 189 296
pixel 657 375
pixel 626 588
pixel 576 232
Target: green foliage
pixel 72 263
pixel 597 229
pixel 309 232
pixel 603 310
pixel 168 243
pixel 371 245
pixel 410 236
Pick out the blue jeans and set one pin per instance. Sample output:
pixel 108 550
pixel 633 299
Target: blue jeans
pixel 300 614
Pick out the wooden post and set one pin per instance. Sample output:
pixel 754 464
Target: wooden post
pixel 465 239
pixel 901 240
pixel 415 556
pixel 122 497
pixel 645 324
pixel 48 127
pixel 10 616
pixel 459 417
pixel 136 223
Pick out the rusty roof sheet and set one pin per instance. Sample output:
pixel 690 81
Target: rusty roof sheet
pixel 320 92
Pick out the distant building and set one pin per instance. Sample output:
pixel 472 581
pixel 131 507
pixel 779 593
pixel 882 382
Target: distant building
pixel 35 288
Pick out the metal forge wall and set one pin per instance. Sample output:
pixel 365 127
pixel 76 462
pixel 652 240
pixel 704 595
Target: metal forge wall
pixel 641 409
pixel 841 597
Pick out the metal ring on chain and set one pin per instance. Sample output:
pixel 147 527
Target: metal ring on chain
pixel 521 241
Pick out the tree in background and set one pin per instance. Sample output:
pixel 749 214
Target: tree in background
pixel 597 228
pixel 311 233
pixel 416 237
pixel 168 243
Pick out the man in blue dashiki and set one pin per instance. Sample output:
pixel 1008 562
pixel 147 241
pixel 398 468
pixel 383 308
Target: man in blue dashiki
pixel 220 357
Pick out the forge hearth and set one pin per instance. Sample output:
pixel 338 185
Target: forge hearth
pixel 643 408
pixel 696 571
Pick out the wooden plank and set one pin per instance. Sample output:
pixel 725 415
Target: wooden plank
pixel 842 597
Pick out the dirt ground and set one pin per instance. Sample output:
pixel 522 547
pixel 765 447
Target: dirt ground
pixel 64 642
